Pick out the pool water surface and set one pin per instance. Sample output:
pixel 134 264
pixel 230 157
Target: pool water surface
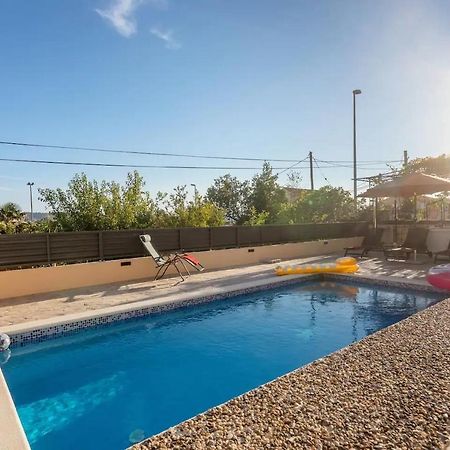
pixel 111 386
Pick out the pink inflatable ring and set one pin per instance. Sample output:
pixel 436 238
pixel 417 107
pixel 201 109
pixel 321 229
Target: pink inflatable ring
pixel 439 276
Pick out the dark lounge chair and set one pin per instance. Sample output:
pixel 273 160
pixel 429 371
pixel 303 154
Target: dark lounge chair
pixel 415 242
pixel 163 263
pixel 443 254
pixel 371 241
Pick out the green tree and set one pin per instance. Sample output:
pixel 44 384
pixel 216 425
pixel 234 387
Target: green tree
pixel 232 196
pixel 267 195
pixel 12 219
pixel 327 204
pixel 11 211
pixel 87 205
pixel 439 165
pixel 177 211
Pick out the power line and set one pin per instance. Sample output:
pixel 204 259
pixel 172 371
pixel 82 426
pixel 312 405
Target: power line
pixel 132 166
pixel 361 164
pixel 155 166
pixel 137 152
pixel 321 173
pixel 375 161
pixel 291 167
pixel 179 155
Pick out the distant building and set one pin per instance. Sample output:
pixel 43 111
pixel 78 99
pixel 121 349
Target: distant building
pixel 37 215
pixel 293 194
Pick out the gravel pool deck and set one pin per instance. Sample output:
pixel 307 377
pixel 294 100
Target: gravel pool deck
pixel 389 391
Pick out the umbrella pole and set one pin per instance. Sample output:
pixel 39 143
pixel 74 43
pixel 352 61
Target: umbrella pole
pixel 415 208
pixel 395 221
pixel 375 207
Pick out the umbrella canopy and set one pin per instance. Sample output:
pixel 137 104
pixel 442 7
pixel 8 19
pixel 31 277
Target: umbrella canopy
pixel 408 186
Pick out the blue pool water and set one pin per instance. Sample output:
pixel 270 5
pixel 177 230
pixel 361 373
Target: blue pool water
pixel 107 387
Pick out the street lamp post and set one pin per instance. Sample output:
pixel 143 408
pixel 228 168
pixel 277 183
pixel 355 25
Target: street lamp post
pixel 30 185
pixel 195 192
pixel 355 174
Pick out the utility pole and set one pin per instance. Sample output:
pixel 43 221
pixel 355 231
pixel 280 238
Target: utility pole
pixel 405 158
pixel 30 185
pixel 311 171
pixel 355 175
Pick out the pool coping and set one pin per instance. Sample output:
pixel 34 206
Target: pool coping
pixel 44 329
pixel 11 431
pixel 40 330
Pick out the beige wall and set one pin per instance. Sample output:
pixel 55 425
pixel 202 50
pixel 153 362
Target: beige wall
pixel 16 283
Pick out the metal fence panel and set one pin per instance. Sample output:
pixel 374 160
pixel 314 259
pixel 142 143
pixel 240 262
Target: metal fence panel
pixel 24 250
pixel 122 244
pixel 74 246
pixel 249 236
pixel 16 249
pixel 195 239
pixel 223 237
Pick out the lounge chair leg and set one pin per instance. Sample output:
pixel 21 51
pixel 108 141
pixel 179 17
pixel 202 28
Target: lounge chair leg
pixel 166 266
pixel 178 270
pixel 157 273
pixel 184 265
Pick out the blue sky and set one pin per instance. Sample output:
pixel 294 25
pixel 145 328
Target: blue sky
pixel 257 78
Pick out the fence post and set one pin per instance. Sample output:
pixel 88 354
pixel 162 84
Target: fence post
pixel 210 238
pixel 180 241
pixel 100 246
pixel 237 236
pixel 49 256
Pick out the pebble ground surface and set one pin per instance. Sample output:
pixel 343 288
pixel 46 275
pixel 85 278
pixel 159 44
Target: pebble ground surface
pixel 389 391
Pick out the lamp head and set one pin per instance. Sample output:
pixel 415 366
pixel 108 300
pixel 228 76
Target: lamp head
pixel 357 91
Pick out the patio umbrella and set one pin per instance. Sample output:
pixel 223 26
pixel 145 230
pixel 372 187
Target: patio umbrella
pixel 409 185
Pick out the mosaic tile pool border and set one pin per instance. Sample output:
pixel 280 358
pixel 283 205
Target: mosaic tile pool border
pixel 55 331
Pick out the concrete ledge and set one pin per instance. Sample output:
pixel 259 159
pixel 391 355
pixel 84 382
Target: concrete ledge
pixel 17 283
pixel 12 436
pixel 389 391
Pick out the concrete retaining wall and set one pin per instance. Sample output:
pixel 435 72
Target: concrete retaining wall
pixel 17 283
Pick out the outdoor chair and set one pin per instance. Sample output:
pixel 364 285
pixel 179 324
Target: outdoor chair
pixel 371 241
pixel 164 262
pixel 415 242
pixel 443 254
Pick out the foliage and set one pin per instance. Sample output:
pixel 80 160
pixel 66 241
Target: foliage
pixel 439 165
pixel 267 195
pixel 12 219
pixel 11 211
pixel 177 211
pixel 233 196
pixel 257 218
pixel 294 179
pixel 327 204
pixel 89 205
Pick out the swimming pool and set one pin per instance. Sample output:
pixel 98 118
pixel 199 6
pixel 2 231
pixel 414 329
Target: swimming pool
pixel 108 387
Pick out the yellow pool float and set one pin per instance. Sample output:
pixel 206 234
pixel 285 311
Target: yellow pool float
pixel 341 265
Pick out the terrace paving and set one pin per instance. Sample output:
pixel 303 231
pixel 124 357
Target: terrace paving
pixel 59 304
pixel 389 391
